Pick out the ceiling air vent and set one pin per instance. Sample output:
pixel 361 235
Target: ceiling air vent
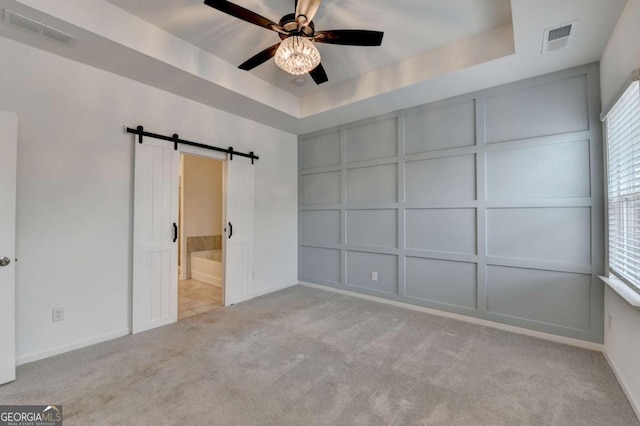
pixel 558 38
pixel 38 28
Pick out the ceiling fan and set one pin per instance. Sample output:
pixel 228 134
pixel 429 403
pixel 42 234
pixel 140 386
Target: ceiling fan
pixel 296 53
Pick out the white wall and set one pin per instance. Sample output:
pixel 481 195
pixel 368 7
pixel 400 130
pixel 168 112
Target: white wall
pixel 622 340
pixel 202 192
pixel 75 169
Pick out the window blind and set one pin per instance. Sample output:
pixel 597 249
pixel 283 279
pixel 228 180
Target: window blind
pixel 622 125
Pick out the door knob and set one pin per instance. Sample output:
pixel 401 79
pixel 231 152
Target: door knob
pixel 4 261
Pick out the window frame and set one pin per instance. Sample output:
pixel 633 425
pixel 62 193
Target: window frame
pixel 615 279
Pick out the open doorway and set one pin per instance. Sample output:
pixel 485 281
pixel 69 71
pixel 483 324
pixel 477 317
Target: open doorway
pixel 156 226
pixel 200 249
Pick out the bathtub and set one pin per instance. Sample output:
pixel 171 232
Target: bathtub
pixel 206 267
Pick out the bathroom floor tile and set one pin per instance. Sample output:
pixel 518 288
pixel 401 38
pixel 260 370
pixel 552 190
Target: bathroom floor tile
pixel 187 306
pixel 195 297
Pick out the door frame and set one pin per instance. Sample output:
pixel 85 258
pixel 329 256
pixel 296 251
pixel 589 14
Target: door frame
pixel 212 155
pixel 8 240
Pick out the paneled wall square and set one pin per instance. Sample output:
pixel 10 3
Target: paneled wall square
pixel 372 141
pixel 320 151
pixel 321 188
pixel 441 281
pixel 559 170
pixel 320 264
pixel 376 228
pixel 361 265
pixel 559 234
pixel 320 226
pixel 551 108
pixel 550 297
pixel 441 230
pixel 441 179
pixel 451 126
pixel 375 184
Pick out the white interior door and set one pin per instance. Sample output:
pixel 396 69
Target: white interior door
pixel 239 230
pixel 155 246
pixel 8 157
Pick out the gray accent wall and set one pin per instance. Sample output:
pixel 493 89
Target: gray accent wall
pixel 488 204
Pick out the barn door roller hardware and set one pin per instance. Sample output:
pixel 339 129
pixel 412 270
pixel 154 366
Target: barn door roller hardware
pixel 176 140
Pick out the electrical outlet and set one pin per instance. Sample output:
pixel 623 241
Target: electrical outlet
pixel 610 322
pixel 58 314
pixel 374 276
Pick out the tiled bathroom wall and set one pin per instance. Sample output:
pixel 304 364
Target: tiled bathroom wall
pixel 207 242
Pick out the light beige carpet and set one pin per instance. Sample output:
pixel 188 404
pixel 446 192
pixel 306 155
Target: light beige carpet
pixel 303 357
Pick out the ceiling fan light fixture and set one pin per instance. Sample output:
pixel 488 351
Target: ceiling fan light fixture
pixel 297 55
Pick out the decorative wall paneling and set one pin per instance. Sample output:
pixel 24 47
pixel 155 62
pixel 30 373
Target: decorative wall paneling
pixel 488 204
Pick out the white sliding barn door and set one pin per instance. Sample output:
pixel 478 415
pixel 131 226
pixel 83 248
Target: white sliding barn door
pixel 8 157
pixel 155 246
pixel 239 235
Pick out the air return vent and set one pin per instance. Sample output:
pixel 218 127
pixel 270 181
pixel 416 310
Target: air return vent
pixel 38 28
pixel 558 38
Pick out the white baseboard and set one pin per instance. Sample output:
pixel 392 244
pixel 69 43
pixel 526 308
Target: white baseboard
pixel 635 404
pixel 26 359
pixel 259 293
pixel 505 327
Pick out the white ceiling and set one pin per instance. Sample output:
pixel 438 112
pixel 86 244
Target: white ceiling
pixel 411 27
pixel 453 47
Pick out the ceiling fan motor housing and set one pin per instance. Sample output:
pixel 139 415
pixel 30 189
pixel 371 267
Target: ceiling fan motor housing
pixel 290 25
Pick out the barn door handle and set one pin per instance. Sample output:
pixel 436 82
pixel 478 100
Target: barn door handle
pixel 230 229
pixel 175 232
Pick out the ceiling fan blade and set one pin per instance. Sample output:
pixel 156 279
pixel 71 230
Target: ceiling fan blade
pixel 319 75
pixel 260 58
pixel 307 8
pixel 350 37
pixel 242 13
